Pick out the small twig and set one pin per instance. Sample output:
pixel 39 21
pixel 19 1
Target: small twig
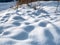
pixel 57 6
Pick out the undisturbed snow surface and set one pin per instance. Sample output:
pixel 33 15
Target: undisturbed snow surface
pixel 26 26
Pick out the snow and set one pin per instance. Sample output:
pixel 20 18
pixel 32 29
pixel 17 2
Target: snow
pixel 26 26
pixel 4 6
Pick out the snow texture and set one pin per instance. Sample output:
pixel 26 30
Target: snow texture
pixel 26 26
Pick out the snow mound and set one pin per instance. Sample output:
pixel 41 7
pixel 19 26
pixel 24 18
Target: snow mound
pixel 26 26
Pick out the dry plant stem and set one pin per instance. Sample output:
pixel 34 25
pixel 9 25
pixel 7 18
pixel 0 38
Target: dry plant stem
pixel 20 2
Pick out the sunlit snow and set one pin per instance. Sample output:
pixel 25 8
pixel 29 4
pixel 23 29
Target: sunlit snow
pixel 26 26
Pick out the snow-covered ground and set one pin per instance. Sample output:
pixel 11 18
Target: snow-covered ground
pixel 6 5
pixel 26 26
